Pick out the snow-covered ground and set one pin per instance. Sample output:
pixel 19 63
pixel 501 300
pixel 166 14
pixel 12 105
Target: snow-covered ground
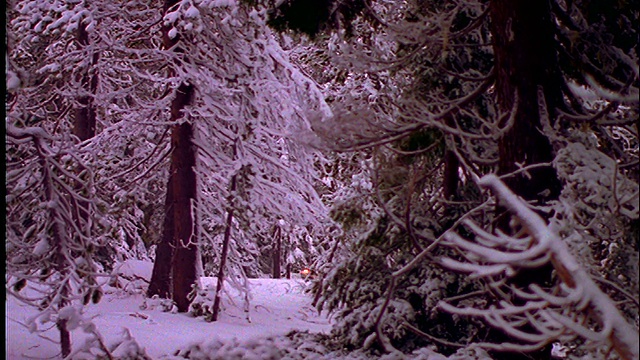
pixel 276 308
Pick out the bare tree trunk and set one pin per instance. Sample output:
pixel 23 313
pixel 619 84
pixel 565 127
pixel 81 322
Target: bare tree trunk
pixel 223 256
pixel 277 253
pixel 179 239
pixel 526 64
pixel 184 189
pixel 174 270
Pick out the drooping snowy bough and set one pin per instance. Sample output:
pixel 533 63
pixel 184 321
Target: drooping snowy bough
pixel 574 308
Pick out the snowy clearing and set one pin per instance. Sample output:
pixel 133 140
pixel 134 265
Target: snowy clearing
pixel 277 307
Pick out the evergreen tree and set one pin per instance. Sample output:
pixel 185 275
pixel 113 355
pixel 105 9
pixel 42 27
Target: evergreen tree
pixel 497 84
pixel 174 271
pixel 247 104
pixel 53 228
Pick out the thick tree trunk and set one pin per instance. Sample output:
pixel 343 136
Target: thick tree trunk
pixel 183 188
pixel 179 238
pixel 174 269
pixel 526 64
pixel 525 60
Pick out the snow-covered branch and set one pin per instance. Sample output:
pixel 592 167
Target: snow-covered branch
pixel 574 308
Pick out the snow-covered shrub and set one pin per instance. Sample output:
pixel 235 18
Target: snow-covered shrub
pixel 599 207
pixel 572 307
pixel 128 348
pixel 306 346
pixel 156 302
pixel 466 353
pixel 370 193
pixel 293 346
pixel 202 302
pixel 94 348
pixel 131 276
pixel 356 290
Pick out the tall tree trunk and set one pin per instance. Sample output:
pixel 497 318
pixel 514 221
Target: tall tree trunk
pixel 179 238
pixel 174 269
pixel 526 64
pixel 183 184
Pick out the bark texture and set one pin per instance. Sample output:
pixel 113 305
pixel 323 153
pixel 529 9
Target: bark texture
pixel 182 183
pixel 526 63
pixel 175 268
pixel 527 66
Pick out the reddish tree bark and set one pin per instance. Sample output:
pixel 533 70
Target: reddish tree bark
pixel 525 60
pixel 526 66
pixel 175 266
pixel 182 183
pixel 174 270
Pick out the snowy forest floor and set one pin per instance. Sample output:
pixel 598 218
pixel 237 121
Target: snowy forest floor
pixel 135 328
pixel 277 307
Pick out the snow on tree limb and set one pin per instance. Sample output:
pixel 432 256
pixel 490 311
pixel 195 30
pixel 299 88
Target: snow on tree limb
pixel 563 314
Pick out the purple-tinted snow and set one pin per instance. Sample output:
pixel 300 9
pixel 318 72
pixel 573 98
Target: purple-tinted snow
pixel 277 307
